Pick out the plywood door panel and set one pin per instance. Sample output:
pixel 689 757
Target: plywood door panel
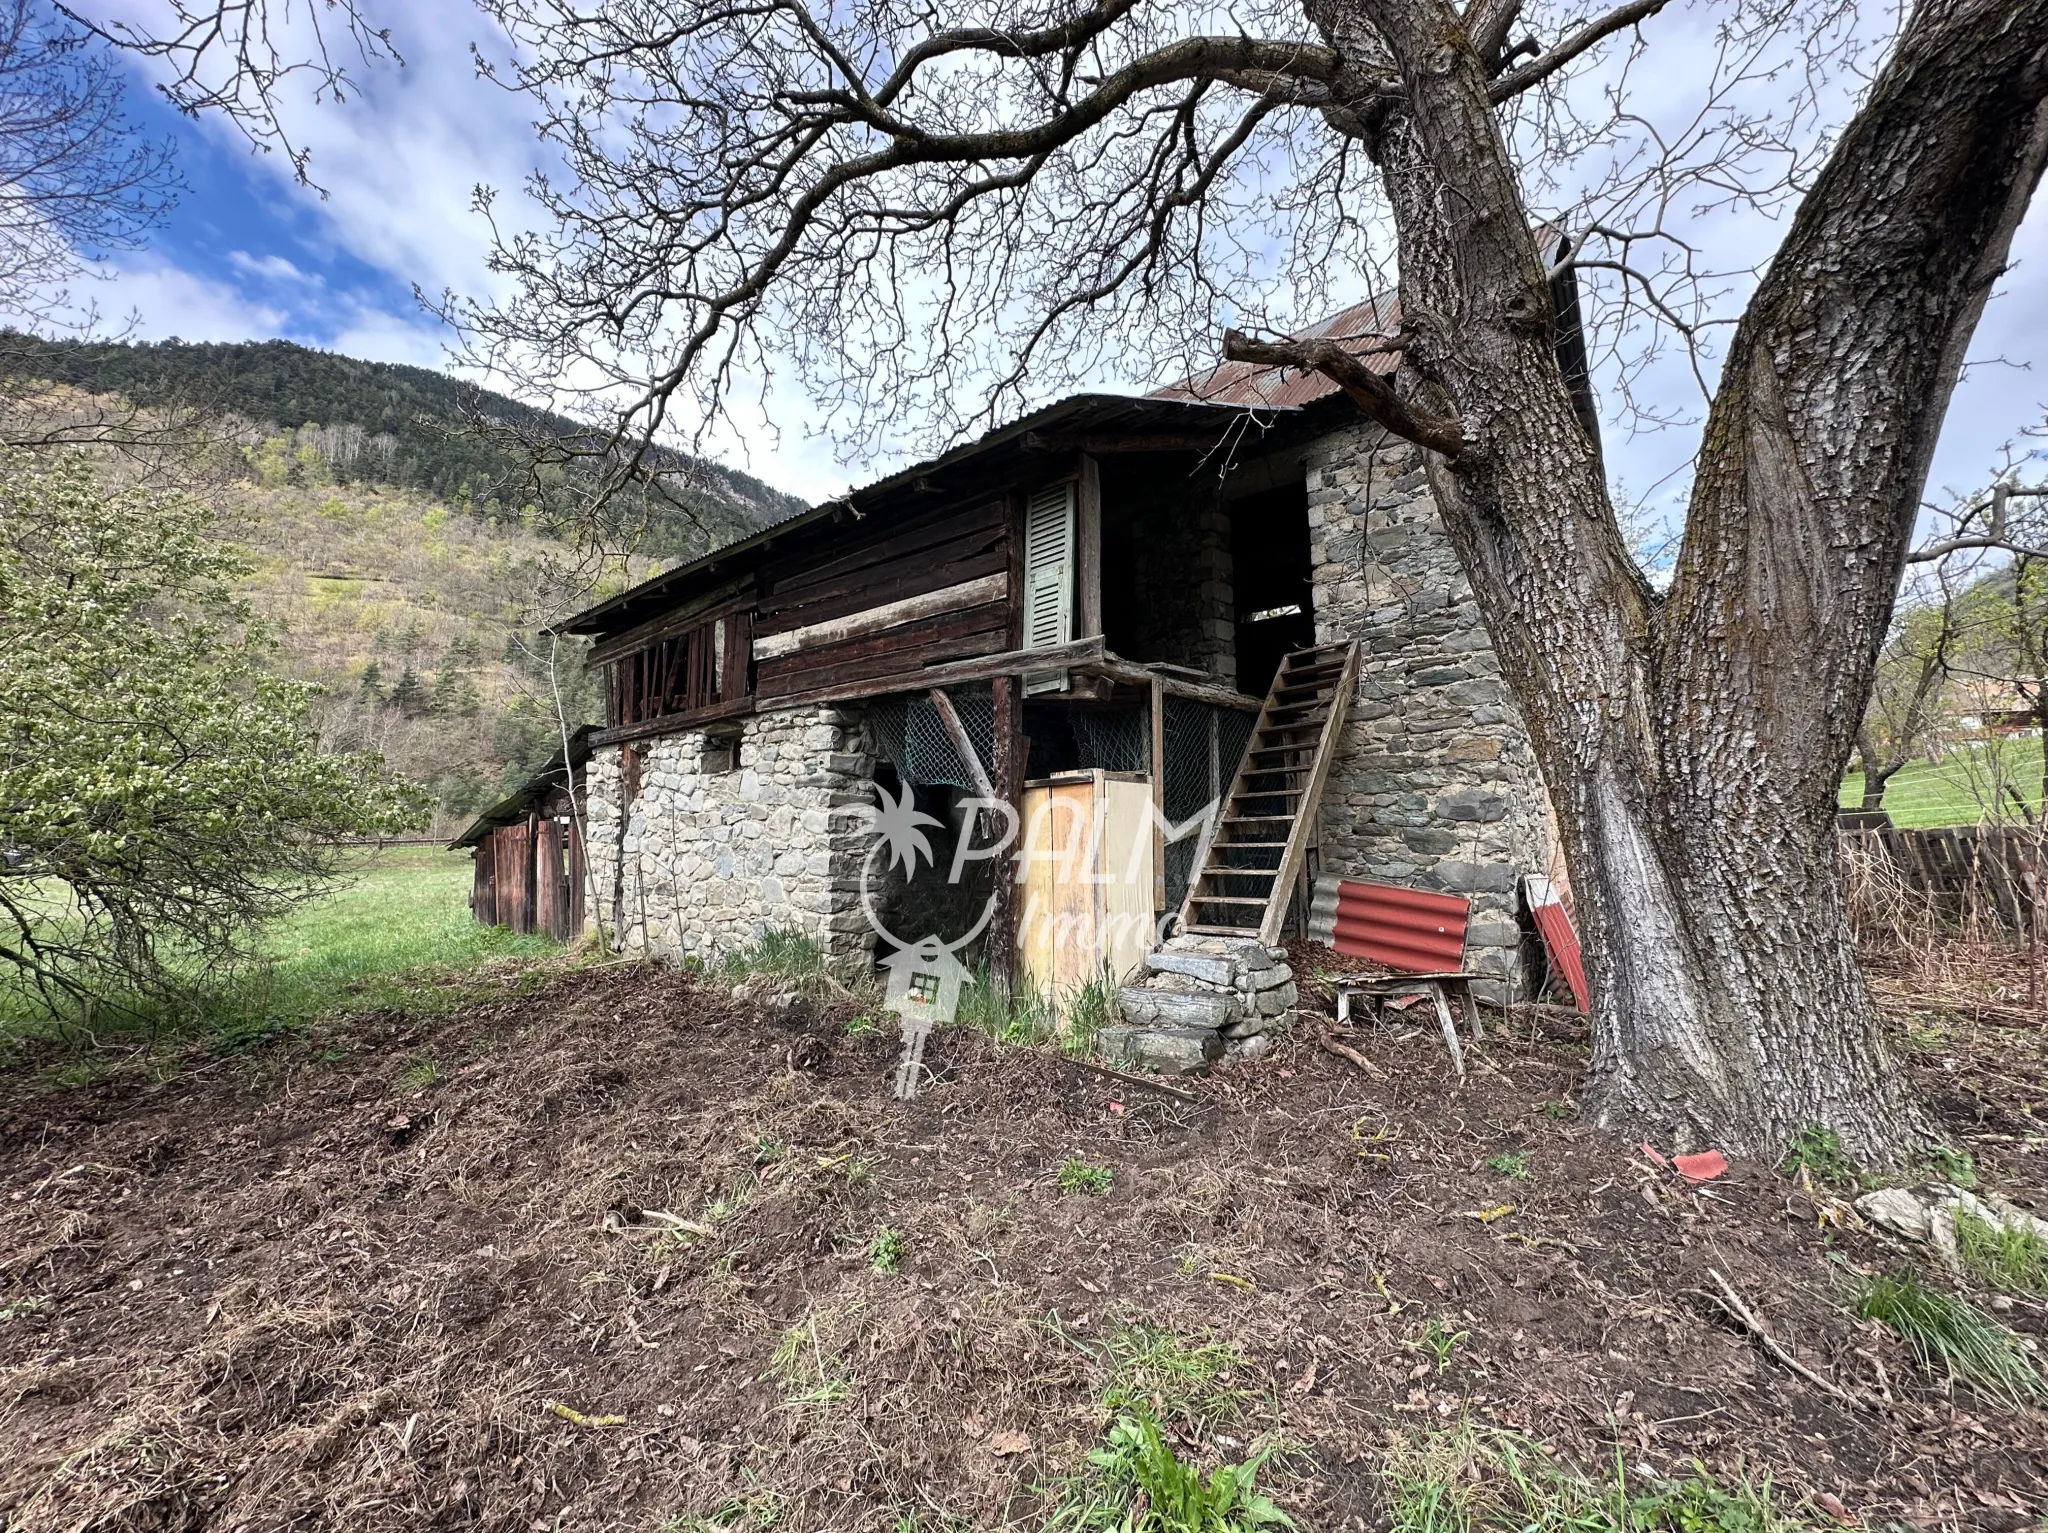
pixel 1087 892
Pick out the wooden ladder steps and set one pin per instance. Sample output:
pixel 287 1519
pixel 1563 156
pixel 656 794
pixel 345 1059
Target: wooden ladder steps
pixel 1292 743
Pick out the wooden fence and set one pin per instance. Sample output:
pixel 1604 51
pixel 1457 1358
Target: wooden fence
pixel 530 877
pixel 1975 874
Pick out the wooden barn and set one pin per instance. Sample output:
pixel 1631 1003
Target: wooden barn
pixel 527 850
pixel 1235 594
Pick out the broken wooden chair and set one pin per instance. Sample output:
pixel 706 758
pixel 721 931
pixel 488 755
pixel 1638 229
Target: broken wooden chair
pixel 1418 932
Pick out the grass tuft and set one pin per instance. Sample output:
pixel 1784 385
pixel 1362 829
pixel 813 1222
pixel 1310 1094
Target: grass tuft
pixel 1472 1481
pixel 807 1373
pixel 792 957
pixel 1016 1014
pixel 1089 1009
pixel 1950 1333
pixel 1817 1153
pixel 1173 1377
pixel 416 1075
pixel 1078 1175
pixel 2007 1257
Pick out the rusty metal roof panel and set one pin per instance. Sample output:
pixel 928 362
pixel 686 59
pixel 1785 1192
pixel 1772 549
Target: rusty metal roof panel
pixel 1418 930
pixel 1259 387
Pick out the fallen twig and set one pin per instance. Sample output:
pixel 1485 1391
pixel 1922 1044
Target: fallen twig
pixel 1730 1302
pixel 1131 1080
pixel 1344 1051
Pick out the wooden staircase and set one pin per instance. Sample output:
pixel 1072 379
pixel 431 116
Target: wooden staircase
pixel 1255 855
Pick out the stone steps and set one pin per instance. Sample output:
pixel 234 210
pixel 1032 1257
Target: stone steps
pixel 1203 999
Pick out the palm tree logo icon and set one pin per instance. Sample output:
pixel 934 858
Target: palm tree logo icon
pixel 898 827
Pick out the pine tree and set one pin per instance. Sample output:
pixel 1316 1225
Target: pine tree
pixel 447 691
pixel 373 683
pixel 409 697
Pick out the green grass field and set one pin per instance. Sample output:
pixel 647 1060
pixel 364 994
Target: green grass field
pixel 1968 786
pixel 390 933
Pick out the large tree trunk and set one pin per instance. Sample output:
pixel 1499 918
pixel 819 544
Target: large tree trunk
pixel 1694 743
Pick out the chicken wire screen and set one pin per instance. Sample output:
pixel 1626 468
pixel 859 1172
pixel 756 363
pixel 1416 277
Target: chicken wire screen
pixel 910 733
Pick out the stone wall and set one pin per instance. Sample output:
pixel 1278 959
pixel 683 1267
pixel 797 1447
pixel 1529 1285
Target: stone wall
pixel 707 857
pixel 1436 785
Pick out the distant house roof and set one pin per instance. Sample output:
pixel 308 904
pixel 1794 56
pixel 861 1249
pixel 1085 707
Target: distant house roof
pixel 530 794
pixel 1251 384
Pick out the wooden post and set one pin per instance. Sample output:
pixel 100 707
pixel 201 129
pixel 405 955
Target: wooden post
pixel 963 747
pixel 1088 550
pixel 1158 796
pixel 1215 755
pixel 1011 750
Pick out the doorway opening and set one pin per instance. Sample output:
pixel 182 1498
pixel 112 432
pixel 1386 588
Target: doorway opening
pixel 1272 580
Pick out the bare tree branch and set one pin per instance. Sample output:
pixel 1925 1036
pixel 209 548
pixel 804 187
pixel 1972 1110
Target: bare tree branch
pixel 1372 393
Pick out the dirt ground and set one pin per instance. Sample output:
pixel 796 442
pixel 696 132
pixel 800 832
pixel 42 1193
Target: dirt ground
pixel 425 1273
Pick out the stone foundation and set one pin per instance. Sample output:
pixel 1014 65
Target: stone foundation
pixel 1436 785
pixel 720 845
pixel 1203 999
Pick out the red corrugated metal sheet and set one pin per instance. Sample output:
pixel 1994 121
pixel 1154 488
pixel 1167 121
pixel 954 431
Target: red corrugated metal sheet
pixel 1413 929
pixel 1247 383
pixel 1560 939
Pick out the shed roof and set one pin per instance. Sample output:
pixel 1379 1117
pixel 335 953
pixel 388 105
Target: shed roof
pixel 529 794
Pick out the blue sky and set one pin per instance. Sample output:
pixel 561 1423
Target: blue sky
pixel 248 253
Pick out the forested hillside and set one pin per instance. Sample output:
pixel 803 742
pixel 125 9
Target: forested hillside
pixel 389 547
pixel 376 423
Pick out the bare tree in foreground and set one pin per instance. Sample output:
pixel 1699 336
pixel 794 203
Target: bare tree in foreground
pixel 900 206
pixel 76 180
pixel 233 58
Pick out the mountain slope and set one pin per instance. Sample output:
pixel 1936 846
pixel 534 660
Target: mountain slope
pixel 388 549
pixel 375 422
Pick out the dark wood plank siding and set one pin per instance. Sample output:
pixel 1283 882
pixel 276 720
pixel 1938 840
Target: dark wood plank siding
pixel 930 552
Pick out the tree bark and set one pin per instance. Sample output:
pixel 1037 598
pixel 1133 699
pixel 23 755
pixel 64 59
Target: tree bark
pixel 1694 743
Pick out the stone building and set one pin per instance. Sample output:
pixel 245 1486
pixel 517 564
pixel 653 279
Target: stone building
pixel 1112 586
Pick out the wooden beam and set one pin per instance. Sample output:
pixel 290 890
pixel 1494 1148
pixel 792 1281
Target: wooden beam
pixel 1134 674
pixel 963 747
pixel 1158 760
pixel 1083 653
pixel 1011 751
pixel 1088 550
pixel 1106 442
pixel 968 593
pixel 675 723
pixel 732 596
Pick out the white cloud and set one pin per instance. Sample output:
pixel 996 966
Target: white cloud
pixel 165 301
pixel 270 268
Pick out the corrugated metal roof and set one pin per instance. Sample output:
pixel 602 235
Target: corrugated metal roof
pixel 1279 388
pixel 529 793
pixel 1419 930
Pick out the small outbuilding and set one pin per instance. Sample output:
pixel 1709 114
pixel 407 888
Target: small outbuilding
pixel 530 871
